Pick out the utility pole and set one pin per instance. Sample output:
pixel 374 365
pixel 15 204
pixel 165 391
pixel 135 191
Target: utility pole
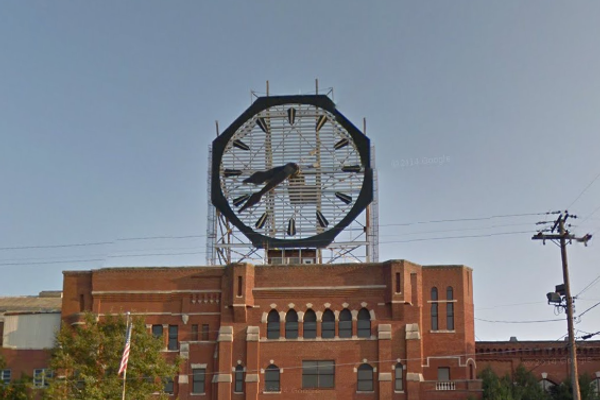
pixel 562 237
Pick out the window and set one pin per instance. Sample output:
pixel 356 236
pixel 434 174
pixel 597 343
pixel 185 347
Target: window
pixel 41 378
pixel 450 316
pixel 291 325
pixel 434 309
pixel 194 332
pixel 450 309
pixel 198 380
pixel 5 376
pixel 443 374
pixel 398 287
pixel 318 374
pixel 169 386
pixel 204 331
pixel 364 323
pixel 1 332
pixel 310 324
pixel 345 324
pixel 365 378
pixel 239 379
pixel 272 379
pixel 239 291
pixel 81 303
pixel 398 378
pixel 328 325
pixel 173 337
pixel 157 331
pixel 471 371
pixel 273 329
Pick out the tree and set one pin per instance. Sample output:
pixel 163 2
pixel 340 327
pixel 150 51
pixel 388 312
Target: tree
pixel 86 360
pixel 495 388
pixel 526 386
pixel 564 391
pixel 16 389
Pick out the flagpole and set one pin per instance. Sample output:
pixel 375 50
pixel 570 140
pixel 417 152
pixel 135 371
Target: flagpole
pixel 128 332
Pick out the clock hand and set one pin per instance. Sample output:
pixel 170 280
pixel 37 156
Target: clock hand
pixel 263 176
pixel 280 175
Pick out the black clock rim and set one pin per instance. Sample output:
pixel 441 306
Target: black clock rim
pixel 363 145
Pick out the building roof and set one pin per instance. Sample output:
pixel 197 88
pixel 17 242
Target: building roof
pixel 45 302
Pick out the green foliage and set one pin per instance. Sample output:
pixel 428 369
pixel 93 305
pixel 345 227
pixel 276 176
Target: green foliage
pixel 18 389
pixel 564 391
pixel 526 386
pixel 87 360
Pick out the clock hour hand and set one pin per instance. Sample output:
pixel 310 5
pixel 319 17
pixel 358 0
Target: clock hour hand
pixel 278 175
pixel 263 176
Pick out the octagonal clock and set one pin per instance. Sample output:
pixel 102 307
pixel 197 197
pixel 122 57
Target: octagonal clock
pixel 291 172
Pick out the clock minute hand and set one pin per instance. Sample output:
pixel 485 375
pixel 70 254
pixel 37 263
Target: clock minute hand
pixel 278 177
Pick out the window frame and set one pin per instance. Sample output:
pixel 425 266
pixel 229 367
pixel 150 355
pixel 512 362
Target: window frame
pixel 399 377
pixel 318 366
pixel 440 369
pixel 309 326
pixel 435 325
pixel 291 325
pixel 328 327
pixel 154 331
pixel 365 368
pixel 238 379
pixel 363 325
pixel 450 316
pixel 273 376
pixel 345 324
pixel 42 375
pixel 199 373
pixel 5 376
pixel 173 342
pixel 169 384
pixel 273 325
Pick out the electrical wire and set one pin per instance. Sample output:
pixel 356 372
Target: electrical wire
pixel 589 309
pixel 584 190
pixel 519 322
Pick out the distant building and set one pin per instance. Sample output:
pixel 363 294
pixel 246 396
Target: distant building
pixel 391 330
pixel 28 325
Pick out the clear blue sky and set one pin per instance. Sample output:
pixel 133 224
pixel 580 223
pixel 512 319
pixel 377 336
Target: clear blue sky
pixel 107 110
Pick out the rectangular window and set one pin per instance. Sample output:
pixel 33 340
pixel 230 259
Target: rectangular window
pixel 81 303
pixel 318 374
pixel 239 291
pixel 198 380
pixel 450 316
pixel 169 386
pixel 443 374
pixel 434 317
pixel 157 331
pixel 5 376
pixel 41 378
pixel 173 337
pixel 194 332
pixel 1 332
pixel 398 288
pixel 205 332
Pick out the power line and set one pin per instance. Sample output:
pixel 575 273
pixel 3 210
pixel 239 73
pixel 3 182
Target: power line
pixel 519 322
pixel 584 190
pixel 583 313
pixel 469 219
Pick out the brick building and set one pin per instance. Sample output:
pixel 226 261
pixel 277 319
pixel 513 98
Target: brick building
pixel 392 330
pixel 27 328
pixel 548 360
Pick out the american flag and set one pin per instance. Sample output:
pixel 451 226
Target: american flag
pixel 125 358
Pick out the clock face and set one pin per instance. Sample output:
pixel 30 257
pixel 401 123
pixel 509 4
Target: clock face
pixel 292 171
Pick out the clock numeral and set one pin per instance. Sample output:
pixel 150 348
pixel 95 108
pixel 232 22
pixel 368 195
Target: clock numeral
pixel 240 200
pixel 344 197
pixel 261 221
pixel 342 143
pixel 240 145
pixel 291 112
pixel 322 220
pixel 262 123
pixel 232 172
pixel 351 168
pixel 320 122
pixel 291 230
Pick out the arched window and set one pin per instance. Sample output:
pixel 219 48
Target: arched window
pixel 450 309
pixel 364 378
pixel 434 309
pixel 239 379
pixel 328 325
pixel 364 323
pixel 345 324
pixel 398 378
pixel 272 379
pixel 291 325
pixel 310 324
pixel 273 329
